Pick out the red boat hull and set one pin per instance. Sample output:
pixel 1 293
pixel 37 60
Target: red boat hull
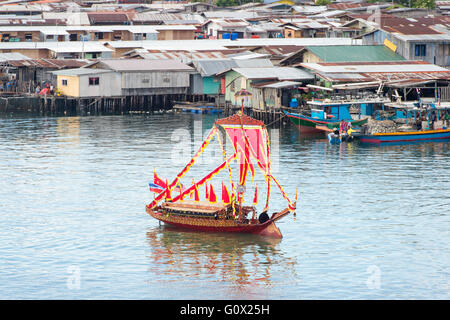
pixel 268 228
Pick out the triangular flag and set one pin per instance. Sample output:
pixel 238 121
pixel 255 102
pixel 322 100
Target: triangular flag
pixel 181 191
pixel 168 194
pixel 196 194
pixel 157 180
pixel 206 191
pixel 225 195
pixel 212 195
pixel 255 199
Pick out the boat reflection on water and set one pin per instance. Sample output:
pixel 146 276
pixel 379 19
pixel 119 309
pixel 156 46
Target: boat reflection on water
pixel 241 260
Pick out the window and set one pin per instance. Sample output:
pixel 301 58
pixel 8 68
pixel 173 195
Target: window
pixel 94 81
pixel 64 82
pixel 28 37
pixel 421 50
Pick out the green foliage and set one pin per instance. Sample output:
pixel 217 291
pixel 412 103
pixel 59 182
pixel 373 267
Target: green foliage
pixel 322 2
pixel 427 4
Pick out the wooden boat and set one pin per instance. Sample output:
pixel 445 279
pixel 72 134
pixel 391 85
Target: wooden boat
pixel 413 136
pixel 308 124
pixel 251 150
pixel 328 114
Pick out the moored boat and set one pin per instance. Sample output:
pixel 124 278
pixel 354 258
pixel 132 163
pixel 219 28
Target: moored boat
pixel 413 136
pixel 328 114
pixel 251 150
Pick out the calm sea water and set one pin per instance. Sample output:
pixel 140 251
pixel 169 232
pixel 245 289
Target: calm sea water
pixel 372 222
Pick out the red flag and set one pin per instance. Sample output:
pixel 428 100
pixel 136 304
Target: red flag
pixel 206 191
pixel 196 195
pixel 180 188
pixel 255 199
pixel 212 195
pixel 168 194
pixel 158 181
pixel 225 195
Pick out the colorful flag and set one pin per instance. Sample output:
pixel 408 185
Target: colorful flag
pixel 168 193
pixel 212 195
pixel 255 198
pixel 158 181
pixel 225 195
pixel 196 194
pixel 155 188
pixel 180 189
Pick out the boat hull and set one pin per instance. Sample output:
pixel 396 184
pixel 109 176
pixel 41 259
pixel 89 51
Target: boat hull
pixel 304 124
pixel 310 125
pixel 417 136
pixel 267 228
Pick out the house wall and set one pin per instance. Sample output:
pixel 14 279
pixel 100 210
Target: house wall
pixel 78 86
pixel 233 83
pixel 31 53
pixel 311 57
pixel 196 84
pixel 175 34
pixel 72 89
pixel 154 79
pixel 266 99
pixel 289 33
pixel 436 52
pixel 211 85
pixel 109 85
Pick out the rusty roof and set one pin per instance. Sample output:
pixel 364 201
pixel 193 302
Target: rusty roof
pixel 49 63
pixel 407 26
pixel 376 71
pixel 110 17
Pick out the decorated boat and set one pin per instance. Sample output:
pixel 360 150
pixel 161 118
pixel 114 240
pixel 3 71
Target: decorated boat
pixel 250 152
pixel 411 136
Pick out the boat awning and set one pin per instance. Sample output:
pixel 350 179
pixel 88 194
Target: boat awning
pixel 199 206
pixel 283 84
pixel 319 87
pixel 357 85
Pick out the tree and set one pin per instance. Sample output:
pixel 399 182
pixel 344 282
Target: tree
pixel 426 4
pixel 322 2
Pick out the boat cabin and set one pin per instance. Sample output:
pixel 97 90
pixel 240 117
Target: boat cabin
pixel 342 110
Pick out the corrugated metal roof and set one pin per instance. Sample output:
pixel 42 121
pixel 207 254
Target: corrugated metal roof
pixel 384 71
pixel 49 63
pixel 253 63
pixel 213 66
pixel 390 67
pixel 282 84
pixel 280 73
pixel 80 71
pixel 9 56
pixel 354 53
pixel 144 65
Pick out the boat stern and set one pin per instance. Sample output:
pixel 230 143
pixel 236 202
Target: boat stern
pixel 271 231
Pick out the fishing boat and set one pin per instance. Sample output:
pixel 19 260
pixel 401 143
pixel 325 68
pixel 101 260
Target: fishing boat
pixel 308 124
pixel 250 151
pixel 424 121
pixel 327 114
pixel 412 136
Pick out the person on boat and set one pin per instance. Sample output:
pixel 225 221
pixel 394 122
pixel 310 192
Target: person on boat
pixel 263 217
pixel 432 119
pixel 446 118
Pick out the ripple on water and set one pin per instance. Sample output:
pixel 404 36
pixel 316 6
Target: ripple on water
pixel 74 189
